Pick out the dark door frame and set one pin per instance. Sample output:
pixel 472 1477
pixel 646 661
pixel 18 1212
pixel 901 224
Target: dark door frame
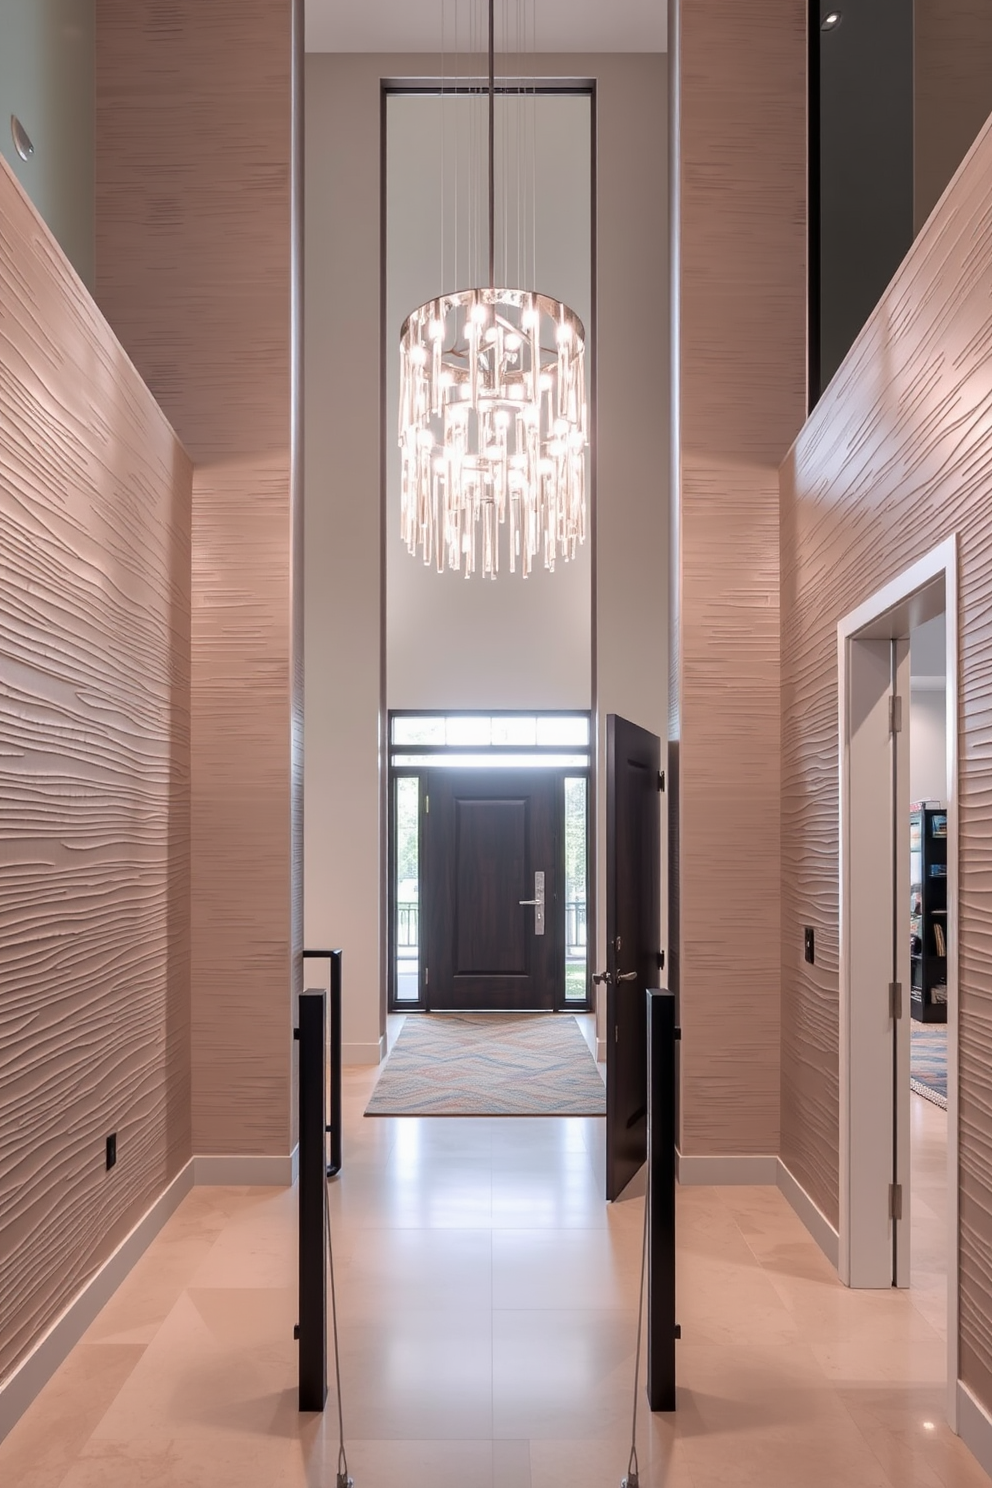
pixel 395 772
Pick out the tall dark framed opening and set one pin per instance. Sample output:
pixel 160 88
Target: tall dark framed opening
pixel 487 754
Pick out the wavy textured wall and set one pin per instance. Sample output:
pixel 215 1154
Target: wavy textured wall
pixel 94 779
pixel 197 163
pixel 896 457
pixel 739 152
pixel 953 90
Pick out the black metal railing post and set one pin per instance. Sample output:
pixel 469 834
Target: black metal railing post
pixel 334 1125
pixel 311 1330
pixel 662 1327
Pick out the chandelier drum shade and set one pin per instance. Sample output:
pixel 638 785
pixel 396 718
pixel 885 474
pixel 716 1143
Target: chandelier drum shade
pixel 492 430
pixel 492 422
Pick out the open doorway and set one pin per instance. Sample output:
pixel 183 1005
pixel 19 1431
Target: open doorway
pixel 898 918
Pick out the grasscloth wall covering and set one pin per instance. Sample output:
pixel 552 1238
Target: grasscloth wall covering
pixel 739 155
pixel 897 457
pixel 953 64
pixel 94 780
pixel 197 160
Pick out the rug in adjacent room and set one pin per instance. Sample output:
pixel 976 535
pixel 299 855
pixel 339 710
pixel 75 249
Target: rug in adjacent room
pixel 928 1062
pixel 489 1064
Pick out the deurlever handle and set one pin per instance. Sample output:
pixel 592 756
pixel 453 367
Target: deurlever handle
pixel 627 976
pixel 601 976
pixel 530 901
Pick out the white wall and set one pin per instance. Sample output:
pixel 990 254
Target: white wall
pixel 47 79
pixel 452 642
pixel 928 744
pixel 345 559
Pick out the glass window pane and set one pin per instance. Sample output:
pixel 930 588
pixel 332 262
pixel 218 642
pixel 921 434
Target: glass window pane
pixel 576 941
pixel 515 731
pixel 466 730
pixel 418 730
pixel 407 928
pixel 564 730
pixel 492 760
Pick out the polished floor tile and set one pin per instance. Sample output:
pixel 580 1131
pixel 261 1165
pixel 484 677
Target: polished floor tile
pixel 487 1311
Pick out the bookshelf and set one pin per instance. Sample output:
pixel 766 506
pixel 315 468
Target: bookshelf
pixel 928 913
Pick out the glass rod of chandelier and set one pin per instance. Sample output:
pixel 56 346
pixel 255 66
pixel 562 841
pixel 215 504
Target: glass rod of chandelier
pixel 492 430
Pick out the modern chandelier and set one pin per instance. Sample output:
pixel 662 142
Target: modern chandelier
pixel 492 420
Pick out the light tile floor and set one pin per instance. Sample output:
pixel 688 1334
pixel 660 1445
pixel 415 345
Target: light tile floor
pixel 487 1301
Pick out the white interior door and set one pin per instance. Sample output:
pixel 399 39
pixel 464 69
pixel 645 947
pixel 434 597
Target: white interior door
pixel 877 950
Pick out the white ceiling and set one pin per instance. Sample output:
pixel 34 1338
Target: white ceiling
pixel 415 25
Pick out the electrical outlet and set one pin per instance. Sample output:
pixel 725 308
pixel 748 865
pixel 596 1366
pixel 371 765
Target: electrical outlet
pixel 111 1150
pixel 809 944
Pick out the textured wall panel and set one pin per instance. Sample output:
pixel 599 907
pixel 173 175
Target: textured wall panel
pixel 953 65
pixel 94 779
pixel 897 456
pixel 197 154
pixel 739 146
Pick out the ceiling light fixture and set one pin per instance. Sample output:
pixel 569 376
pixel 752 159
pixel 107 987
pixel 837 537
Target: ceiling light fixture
pixel 831 20
pixel 492 420
pixel 22 140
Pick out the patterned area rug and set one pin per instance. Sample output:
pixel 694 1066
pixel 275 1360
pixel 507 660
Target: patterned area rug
pixel 489 1064
pixel 928 1062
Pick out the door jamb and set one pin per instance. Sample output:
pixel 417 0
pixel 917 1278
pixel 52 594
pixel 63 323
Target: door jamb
pixel 940 562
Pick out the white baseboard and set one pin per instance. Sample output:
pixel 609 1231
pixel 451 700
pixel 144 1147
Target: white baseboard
pixel 370 1053
pixel 250 1171
pixel 19 1388
pixel 819 1226
pixel 760 1169
pixel 975 1427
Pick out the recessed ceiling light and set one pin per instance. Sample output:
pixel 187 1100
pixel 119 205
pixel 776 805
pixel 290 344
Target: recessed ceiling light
pixel 21 138
pixel 831 20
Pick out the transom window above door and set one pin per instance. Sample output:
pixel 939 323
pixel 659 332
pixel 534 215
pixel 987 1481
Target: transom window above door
pixel 490 740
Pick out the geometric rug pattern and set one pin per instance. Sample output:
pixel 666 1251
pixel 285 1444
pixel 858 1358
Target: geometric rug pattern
pixel 489 1064
pixel 928 1062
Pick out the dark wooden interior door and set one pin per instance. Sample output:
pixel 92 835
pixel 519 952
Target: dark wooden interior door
pixel 633 928
pixel 488 833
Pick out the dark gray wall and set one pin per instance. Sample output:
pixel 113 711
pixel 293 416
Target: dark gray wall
pixel 865 164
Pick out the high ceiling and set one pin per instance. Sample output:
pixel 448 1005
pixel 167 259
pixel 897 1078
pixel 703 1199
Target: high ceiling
pixel 415 25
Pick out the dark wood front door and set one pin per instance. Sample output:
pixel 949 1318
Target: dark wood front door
pixel 633 928
pixel 488 834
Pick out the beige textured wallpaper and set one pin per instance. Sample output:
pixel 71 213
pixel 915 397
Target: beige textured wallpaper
pixel 198 158
pixel 953 89
pixel 897 457
pixel 739 158
pixel 94 779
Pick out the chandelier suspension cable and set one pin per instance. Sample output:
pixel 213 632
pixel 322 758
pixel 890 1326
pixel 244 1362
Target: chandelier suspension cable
pixel 492 412
pixel 492 144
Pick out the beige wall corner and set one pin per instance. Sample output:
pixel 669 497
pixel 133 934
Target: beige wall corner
pixel 739 298
pixel 197 245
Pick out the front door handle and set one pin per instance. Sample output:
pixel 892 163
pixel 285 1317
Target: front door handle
pixel 602 976
pixel 627 976
pixel 538 903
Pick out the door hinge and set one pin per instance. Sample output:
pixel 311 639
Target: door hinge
pixel 895 1000
pixel 661 960
pixel 616 1033
pixel 895 715
pixel 427 805
pixel 427 976
pixel 895 1201
pixel 661 780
